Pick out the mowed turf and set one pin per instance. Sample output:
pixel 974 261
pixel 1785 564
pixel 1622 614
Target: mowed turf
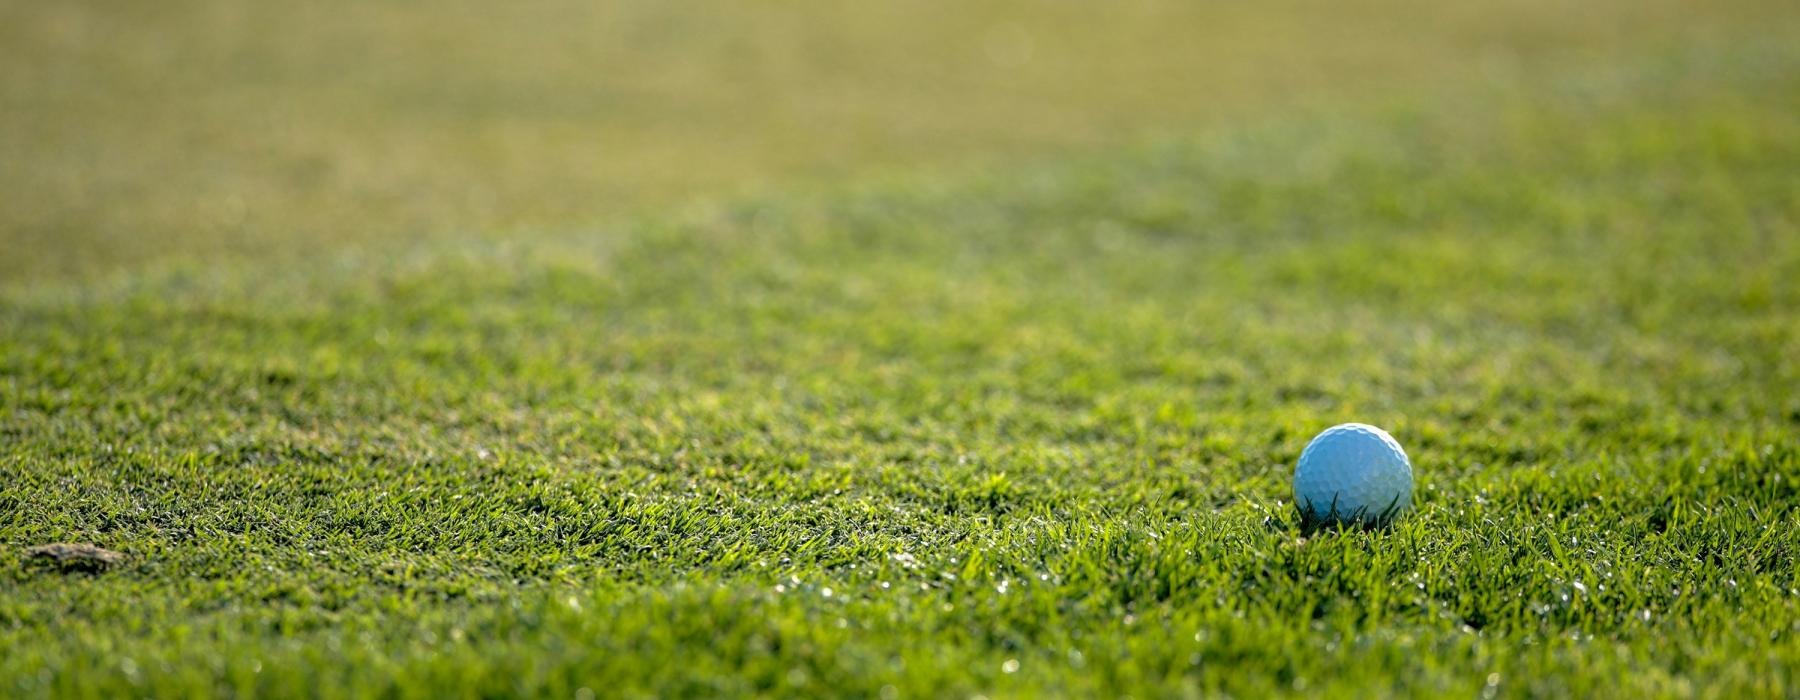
pixel 221 129
pixel 1026 432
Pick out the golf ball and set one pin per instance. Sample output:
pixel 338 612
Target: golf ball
pixel 1353 473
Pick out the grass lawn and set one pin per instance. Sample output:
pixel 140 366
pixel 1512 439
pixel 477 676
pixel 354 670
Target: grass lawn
pixel 220 129
pixel 1011 430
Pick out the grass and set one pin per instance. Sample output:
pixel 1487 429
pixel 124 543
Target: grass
pixel 217 129
pixel 1023 430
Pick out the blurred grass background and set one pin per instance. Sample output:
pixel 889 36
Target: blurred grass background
pixel 197 130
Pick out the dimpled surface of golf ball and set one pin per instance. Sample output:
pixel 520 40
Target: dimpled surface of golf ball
pixel 1353 473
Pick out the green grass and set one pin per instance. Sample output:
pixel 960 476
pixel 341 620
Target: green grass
pixel 1016 432
pixel 221 129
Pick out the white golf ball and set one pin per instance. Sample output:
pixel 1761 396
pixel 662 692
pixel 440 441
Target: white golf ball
pixel 1353 473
